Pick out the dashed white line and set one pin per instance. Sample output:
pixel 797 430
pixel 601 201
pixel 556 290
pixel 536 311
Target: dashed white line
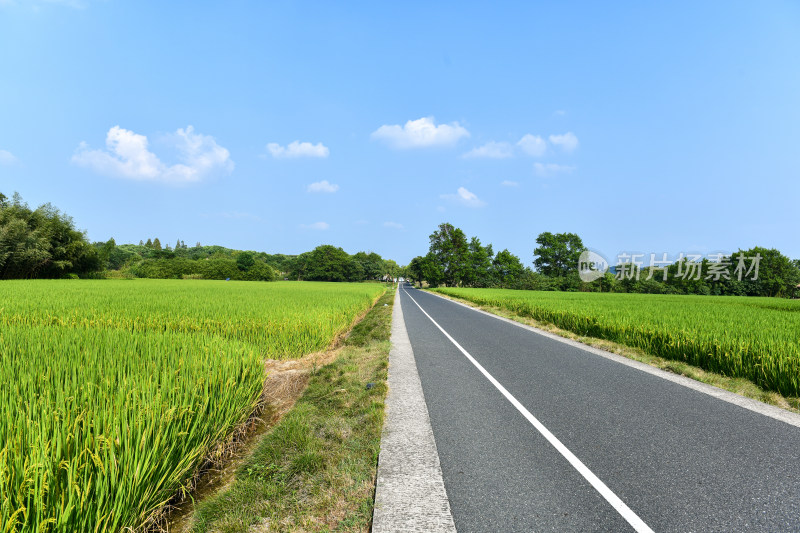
pixel 625 511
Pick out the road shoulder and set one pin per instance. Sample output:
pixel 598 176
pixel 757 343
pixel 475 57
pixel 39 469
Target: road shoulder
pixel 410 493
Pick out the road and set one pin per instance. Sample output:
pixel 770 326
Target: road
pixel 546 436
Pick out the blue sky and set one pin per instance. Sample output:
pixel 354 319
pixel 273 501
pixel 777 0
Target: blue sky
pixel 648 127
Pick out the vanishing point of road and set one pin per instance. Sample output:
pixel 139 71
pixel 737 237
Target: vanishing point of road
pixel 537 434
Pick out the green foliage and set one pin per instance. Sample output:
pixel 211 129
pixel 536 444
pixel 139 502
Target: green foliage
pixel 557 254
pixel 217 268
pixel 450 251
pixel 777 274
pixel 453 261
pixel 41 243
pixel 245 260
pixel 330 263
pixel 507 268
pixel 415 270
pixel 478 270
pixel 372 265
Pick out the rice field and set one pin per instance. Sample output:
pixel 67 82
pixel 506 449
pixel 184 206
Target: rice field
pixel 753 338
pixel 111 392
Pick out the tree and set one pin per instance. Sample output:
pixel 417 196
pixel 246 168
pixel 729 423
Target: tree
pixel 328 263
pixel 777 274
pixel 414 271
pixel 507 268
pixel 245 260
pixel 105 251
pixel 557 254
pixel 449 251
pixel 432 271
pixel 149 243
pixel 41 243
pixel 479 264
pixel 371 264
pixel 156 244
pixel 391 269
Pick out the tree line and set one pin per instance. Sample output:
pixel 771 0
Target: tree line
pixel 454 260
pixel 41 243
pixel 44 243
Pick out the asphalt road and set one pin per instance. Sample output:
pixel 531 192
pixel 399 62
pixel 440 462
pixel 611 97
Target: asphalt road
pixel 675 458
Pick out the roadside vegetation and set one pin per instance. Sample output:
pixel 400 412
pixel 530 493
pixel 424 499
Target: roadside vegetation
pixel 737 337
pixel 114 392
pixel 315 471
pixel 454 261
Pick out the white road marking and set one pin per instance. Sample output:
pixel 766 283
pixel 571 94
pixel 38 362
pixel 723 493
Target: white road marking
pixel 625 511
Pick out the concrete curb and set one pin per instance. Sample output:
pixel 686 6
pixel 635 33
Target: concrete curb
pixel 761 408
pixel 410 493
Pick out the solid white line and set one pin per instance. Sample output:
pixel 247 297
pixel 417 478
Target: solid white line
pixel 625 511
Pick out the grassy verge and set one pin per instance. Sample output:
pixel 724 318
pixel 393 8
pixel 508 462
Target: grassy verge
pixel 315 470
pixel 740 386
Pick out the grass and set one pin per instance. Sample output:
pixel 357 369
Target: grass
pixel 315 470
pixel 115 391
pixel 738 385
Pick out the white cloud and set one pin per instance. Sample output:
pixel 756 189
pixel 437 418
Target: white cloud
pixel 7 158
pixel 395 225
pixel 567 142
pixel 491 150
pixel 127 156
pixel 551 169
pixel 559 112
pixel 321 226
pixel 464 197
pixel 298 149
pixel 533 145
pixel 322 186
pixel 509 183
pixel 420 133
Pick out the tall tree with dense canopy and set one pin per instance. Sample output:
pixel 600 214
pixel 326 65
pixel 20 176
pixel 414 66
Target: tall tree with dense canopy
pixel 557 254
pixel 479 264
pixel 507 268
pixel 777 274
pixel 449 248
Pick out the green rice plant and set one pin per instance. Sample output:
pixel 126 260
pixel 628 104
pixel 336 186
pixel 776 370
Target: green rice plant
pixel 743 337
pixel 113 391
